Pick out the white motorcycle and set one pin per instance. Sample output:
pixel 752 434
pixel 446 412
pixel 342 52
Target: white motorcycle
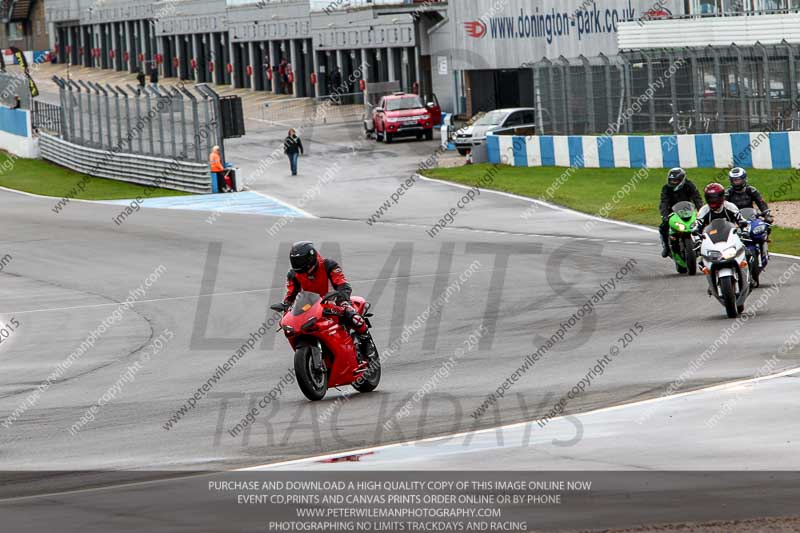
pixel 725 265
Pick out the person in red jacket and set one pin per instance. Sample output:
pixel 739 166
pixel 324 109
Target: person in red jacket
pixel 311 272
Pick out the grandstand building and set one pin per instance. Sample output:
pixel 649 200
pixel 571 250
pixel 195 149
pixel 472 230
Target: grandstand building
pixel 574 59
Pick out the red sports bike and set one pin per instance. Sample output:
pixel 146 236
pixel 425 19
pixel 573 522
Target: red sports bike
pixel 325 352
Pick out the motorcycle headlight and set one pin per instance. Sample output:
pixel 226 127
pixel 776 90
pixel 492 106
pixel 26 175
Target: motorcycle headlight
pixel 759 230
pixel 714 254
pixel 681 226
pixel 729 253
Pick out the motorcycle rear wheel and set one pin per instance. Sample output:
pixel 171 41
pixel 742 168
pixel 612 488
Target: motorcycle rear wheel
pixel 314 385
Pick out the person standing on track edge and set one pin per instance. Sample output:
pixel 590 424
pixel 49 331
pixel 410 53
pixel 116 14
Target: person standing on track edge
pixel 215 161
pixel 677 189
pixel 293 147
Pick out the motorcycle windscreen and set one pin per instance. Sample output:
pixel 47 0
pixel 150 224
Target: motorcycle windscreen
pixel 685 210
pixel 719 230
pixel 749 214
pixel 304 302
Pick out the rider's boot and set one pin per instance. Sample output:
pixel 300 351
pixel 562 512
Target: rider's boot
pixel 366 348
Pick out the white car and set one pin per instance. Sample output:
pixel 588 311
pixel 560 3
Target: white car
pixel 470 136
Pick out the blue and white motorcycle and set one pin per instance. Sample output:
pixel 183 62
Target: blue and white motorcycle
pixel 755 239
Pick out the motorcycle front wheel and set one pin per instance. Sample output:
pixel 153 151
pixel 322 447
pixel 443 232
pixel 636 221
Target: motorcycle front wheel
pixel 312 383
pixel 691 258
pixel 728 296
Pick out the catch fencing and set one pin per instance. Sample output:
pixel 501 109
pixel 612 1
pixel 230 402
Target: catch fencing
pixel 159 121
pixel 46 117
pixel 675 91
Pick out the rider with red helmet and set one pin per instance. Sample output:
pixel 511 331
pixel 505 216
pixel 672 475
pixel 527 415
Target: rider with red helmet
pixel 716 207
pixel 311 272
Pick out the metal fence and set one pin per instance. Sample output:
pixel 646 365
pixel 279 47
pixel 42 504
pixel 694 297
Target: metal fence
pixel 164 121
pixel 686 90
pixel 46 117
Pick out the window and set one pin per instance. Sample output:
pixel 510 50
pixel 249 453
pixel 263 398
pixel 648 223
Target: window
pixel 529 117
pixel 16 31
pixel 706 7
pixel 520 118
pixel 492 118
pixel 404 104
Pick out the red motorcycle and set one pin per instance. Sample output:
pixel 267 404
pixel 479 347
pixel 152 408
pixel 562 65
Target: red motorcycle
pixel 325 352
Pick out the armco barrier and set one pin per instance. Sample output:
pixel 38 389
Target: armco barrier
pixel 719 150
pixel 167 173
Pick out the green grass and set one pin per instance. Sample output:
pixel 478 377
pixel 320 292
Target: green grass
pixel 45 178
pixel 591 190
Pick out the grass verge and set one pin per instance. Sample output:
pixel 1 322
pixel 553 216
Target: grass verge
pixel 599 190
pixel 47 179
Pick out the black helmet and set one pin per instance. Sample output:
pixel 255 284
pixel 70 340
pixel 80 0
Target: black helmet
pixel 676 178
pixel 738 178
pixel 303 256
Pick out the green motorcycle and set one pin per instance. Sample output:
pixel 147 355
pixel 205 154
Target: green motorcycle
pixel 681 242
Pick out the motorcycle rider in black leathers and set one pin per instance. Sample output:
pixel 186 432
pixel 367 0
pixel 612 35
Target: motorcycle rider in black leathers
pixel 744 196
pixel 677 189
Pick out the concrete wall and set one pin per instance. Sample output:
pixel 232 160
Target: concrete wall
pixel 749 150
pixel 15 133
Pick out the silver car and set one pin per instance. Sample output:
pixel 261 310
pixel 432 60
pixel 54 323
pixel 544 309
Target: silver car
pixel 470 136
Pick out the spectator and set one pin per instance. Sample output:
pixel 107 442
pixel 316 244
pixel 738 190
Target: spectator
pixel 336 80
pixel 293 147
pixel 283 75
pixel 336 88
pixel 215 161
pixel 141 79
pixel 154 78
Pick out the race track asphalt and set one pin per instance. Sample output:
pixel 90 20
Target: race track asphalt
pixel 69 272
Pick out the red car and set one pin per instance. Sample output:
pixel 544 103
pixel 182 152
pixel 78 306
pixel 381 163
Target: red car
pixel 404 115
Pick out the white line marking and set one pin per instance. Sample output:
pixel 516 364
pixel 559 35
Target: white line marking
pixel 543 203
pixel 637 403
pixel 722 386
